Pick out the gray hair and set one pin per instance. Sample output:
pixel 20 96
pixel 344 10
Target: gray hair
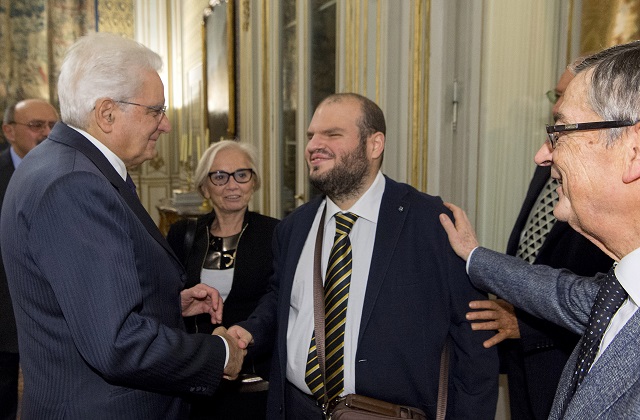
pixel 101 65
pixel 614 91
pixel 209 155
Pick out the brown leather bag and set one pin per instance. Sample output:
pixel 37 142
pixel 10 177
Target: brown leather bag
pixel 359 407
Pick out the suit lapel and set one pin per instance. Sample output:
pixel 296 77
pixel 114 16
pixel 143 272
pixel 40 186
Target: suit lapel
pixel 393 211
pixel 610 377
pixel 63 134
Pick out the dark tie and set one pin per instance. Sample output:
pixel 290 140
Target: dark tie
pixel 608 300
pixel 131 184
pixel 336 294
pixel 539 222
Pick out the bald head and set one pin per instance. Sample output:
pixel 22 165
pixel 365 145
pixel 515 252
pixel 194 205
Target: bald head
pixel 27 123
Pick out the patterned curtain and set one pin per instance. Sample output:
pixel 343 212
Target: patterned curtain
pixel 34 35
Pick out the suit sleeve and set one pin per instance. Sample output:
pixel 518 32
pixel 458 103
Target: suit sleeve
pixel 556 295
pixel 262 322
pixel 473 382
pixel 117 291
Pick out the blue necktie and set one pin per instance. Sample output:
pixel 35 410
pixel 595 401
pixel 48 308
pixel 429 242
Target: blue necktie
pixel 131 184
pixel 610 297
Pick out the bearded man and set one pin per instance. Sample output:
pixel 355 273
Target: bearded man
pixel 402 287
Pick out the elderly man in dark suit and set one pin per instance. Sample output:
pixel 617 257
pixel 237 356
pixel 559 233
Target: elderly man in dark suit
pixel 407 291
pixel 594 153
pixel 96 288
pixel 25 125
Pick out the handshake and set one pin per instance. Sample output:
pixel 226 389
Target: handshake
pixel 205 299
pixel 238 339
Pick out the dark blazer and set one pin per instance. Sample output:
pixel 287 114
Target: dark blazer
pixel 96 293
pixel 417 295
pixel 534 363
pixel 8 333
pixel 252 270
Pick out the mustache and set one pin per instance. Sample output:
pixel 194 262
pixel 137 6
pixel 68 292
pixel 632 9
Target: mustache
pixel 322 152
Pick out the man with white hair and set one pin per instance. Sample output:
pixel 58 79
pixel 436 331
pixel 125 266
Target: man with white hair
pixel 96 288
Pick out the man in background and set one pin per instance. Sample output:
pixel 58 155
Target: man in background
pixel 96 289
pixel 536 350
pixel 385 261
pixel 25 125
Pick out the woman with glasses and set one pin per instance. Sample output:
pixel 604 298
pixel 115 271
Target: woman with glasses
pixel 230 250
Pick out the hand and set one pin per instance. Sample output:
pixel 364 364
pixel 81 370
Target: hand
pixel 497 315
pixel 201 299
pixel 243 337
pixel 236 354
pixel 461 235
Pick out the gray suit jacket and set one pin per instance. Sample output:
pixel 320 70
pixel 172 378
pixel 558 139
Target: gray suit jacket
pixel 95 289
pixel 611 390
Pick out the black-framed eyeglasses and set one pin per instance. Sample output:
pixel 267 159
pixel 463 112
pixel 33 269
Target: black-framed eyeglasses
pixel 159 110
pixel 553 96
pixel 37 126
pixel 220 178
pixel 553 131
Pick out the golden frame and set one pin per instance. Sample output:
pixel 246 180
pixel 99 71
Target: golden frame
pixel 218 57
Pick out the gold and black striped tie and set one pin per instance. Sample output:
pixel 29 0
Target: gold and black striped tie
pixel 336 294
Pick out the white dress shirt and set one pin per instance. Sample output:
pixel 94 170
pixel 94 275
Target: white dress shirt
pixel 301 325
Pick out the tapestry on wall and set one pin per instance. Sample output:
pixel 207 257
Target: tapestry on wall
pixel 34 35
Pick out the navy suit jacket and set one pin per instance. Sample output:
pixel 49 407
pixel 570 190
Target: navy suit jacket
pixel 96 293
pixel 8 334
pixel 534 367
pixel 417 295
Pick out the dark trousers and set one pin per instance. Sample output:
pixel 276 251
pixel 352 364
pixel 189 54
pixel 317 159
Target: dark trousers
pixel 300 406
pixel 9 363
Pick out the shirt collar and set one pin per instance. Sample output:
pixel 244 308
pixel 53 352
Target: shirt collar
pixel 14 158
pixel 367 207
pixel 113 159
pixel 626 273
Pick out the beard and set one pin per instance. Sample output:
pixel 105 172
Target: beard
pixel 346 178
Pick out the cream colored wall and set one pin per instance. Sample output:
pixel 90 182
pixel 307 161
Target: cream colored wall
pixel 519 64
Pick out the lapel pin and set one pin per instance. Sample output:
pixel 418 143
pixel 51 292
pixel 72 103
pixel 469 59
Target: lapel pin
pixel 400 208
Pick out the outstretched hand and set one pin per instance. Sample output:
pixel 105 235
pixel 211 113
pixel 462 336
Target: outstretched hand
pixel 201 299
pixel 242 337
pixel 462 237
pixel 496 315
pixel 236 354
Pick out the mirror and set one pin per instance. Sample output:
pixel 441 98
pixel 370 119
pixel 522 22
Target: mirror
pixel 218 36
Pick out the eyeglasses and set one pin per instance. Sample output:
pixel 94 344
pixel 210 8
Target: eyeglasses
pixel 37 126
pixel 220 178
pixel 159 110
pixel 553 131
pixel 553 96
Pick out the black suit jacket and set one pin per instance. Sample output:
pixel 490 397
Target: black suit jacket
pixel 534 364
pixel 96 293
pixel 417 294
pixel 8 333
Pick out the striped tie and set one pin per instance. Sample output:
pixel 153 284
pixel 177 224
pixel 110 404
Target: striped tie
pixel 336 294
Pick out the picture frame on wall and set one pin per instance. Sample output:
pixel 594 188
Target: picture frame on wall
pixel 218 35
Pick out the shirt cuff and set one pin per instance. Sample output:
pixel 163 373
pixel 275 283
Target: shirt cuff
pixel 469 258
pixel 226 346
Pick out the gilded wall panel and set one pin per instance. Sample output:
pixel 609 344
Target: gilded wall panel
pixel 607 23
